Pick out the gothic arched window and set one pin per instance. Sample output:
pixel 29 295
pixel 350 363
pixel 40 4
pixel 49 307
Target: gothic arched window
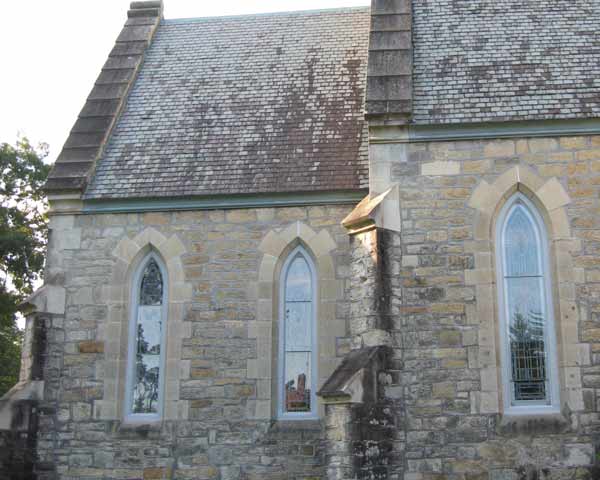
pixel 297 337
pixel 526 313
pixel 145 372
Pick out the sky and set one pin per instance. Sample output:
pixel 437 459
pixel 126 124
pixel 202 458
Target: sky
pixel 51 52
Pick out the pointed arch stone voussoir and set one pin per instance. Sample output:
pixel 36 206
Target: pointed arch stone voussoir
pixel 274 247
pixel 551 198
pixel 127 254
pixel 550 194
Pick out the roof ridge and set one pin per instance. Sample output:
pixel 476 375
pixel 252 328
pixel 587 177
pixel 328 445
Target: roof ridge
pixel 267 14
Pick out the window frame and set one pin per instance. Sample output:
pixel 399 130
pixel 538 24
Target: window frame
pixel 281 413
pixel 524 407
pixel 136 283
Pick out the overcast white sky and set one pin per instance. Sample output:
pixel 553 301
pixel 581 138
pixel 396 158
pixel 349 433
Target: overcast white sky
pixel 52 51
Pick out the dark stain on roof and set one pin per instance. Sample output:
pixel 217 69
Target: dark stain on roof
pixel 274 103
pixel 249 104
pixel 503 60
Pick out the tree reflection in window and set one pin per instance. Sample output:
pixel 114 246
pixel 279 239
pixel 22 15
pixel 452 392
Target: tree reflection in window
pixel 148 340
pixel 528 356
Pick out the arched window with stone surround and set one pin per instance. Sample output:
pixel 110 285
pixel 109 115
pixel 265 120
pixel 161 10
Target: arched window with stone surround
pixel 146 349
pixel 527 331
pixel 297 337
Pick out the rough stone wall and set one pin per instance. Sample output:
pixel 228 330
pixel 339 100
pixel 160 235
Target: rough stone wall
pixel 374 276
pixel 218 435
pixel 367 292
pixel 444 308
pixel 365 439
pixel 375 454
pixel 51 433
pixel 361 442
pixel 338 445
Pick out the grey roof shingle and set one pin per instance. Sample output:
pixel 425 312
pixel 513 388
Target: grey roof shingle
pixel 499 60
pixel 249 104
pixel 274 103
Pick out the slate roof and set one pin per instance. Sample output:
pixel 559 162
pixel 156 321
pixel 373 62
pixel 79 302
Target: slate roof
pixel 498 60
pixel 274 103
pixel 248 104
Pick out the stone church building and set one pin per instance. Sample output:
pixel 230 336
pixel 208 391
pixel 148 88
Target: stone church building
pixel 358 243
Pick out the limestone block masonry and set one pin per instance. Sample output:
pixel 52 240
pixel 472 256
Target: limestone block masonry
pixel 410 361
pixel 219 413
pixel 446 379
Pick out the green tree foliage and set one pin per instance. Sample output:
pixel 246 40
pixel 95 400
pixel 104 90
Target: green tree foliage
pixel 23 236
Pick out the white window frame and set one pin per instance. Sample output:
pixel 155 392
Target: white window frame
pixel 512 407
pixel 136 284
pixel 281 413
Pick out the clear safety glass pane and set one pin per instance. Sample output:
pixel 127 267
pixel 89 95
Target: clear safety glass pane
pixel 149 329
pixel 521 245
pixel 297 381
pixel 298 282
pixel 298 322
pixel 526 333
pixel 145 390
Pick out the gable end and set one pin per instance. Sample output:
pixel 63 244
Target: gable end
pixel 77 160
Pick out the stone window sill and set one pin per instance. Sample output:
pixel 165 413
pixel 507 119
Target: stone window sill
pixel 140 427
pixel 286 425
pixel 533 423
pixel 135 421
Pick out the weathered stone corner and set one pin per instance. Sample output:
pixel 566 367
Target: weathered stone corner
pixel 48 299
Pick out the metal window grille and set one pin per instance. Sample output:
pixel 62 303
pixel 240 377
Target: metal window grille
pixel 528 370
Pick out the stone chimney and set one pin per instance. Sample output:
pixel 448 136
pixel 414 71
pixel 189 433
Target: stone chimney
pixel 389 76
pixel 76 163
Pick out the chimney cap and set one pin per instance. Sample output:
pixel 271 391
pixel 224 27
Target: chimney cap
pixel 146 4
pixel 152 8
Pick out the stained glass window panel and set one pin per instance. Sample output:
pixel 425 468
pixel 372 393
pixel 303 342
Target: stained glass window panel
pixel 151 290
